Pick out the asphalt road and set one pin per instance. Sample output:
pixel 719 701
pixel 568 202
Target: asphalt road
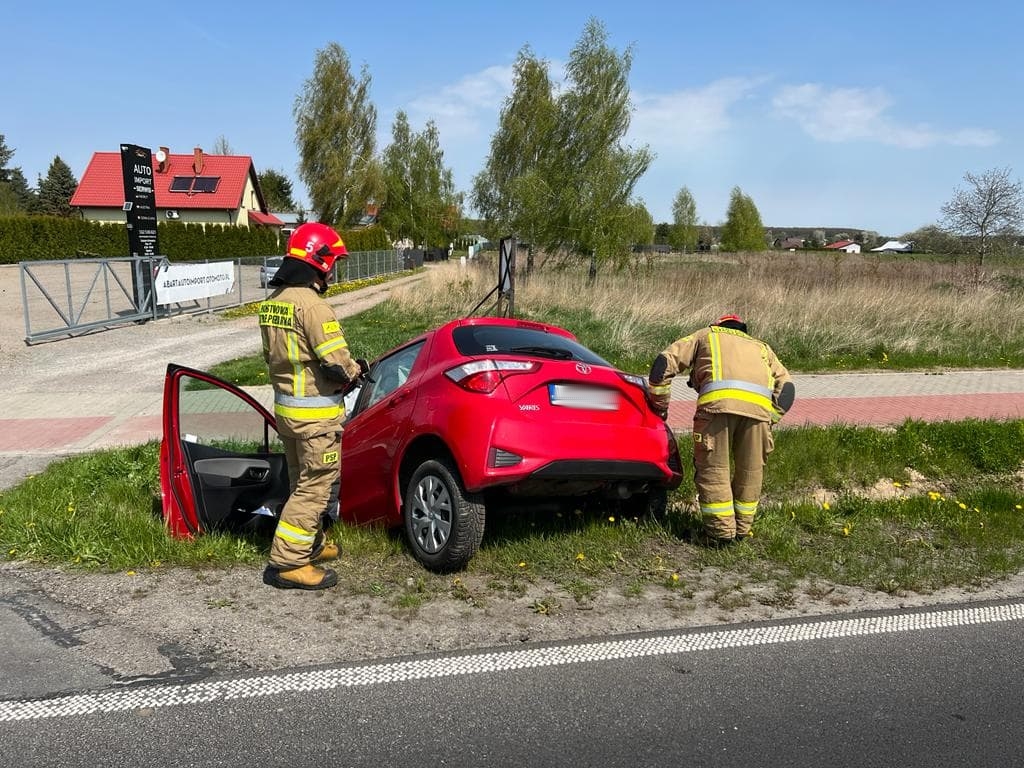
pixel 916 690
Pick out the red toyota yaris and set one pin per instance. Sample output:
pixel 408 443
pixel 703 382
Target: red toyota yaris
pixel 479 413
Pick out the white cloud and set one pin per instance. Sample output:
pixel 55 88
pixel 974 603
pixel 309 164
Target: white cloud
pixel 465 107
pixel 687 120
pixel 859 114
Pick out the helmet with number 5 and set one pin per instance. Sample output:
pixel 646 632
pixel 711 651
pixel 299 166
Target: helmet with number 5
pixel 317 245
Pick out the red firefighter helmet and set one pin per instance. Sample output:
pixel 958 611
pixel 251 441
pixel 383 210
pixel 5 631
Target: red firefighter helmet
pixel 727 318
pixel 316 244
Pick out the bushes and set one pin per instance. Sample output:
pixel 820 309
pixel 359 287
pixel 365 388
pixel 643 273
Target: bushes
pixel 38 238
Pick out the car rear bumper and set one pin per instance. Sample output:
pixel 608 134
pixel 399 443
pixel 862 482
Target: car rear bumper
pixel 562 456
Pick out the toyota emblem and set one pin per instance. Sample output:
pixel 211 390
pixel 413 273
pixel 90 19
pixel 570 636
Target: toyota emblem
pixel 583 368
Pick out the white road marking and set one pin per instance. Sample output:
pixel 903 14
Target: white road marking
pixel 497 661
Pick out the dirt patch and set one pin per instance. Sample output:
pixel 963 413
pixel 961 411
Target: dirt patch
pixel 230 617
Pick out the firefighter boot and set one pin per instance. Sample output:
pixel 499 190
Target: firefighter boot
pixel 327 550
pixel 305 577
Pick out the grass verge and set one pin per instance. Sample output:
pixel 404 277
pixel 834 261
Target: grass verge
pixel 918 508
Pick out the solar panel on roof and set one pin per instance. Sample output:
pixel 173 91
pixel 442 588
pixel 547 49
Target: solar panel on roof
pixel 205 183
pixel 181 184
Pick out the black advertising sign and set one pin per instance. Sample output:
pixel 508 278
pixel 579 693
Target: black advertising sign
pixel 139 200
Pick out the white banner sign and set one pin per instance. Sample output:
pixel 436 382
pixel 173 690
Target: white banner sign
pixel 176 283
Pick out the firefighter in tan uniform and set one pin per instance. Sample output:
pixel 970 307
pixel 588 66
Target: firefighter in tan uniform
pixel 310 366
pixel 742 389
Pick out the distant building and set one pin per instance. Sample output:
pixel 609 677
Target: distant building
pixel 846 246
pixel 894 246
pixel 195 188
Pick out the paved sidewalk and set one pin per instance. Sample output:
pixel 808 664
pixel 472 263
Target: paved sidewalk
pixel 881 399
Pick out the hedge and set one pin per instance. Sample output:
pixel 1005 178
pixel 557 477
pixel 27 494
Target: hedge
pixel 39 238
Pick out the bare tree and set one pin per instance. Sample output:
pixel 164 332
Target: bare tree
pixel 991 205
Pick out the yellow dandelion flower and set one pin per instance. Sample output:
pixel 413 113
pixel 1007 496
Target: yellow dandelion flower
pixel 977 510
pixel 611 518
pixel 961 505
pixel 826 506
pixel 1018 506
pixel 522 564
pixel 675 577
pixel 580 556
pixel 12 551
pixel 897 484
pixel 846 530
pixel 71 507
pixel 130 573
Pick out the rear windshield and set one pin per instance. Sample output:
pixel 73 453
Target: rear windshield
pixel 503 339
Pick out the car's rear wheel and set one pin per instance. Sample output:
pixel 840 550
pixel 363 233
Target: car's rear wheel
pixel 443 524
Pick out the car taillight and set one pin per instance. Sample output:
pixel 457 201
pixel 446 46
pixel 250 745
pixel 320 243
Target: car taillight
pixel 485 375
pixel 636 381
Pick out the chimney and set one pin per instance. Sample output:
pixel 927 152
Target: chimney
pixel 197 160
pixel 162 158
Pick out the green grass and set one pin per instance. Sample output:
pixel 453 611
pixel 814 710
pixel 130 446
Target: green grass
pixel 962 524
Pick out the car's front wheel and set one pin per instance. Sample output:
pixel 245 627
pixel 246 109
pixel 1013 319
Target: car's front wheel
pixel 443 524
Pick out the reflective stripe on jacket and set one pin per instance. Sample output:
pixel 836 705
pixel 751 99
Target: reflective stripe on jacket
pixel 731 371
pixel 300 335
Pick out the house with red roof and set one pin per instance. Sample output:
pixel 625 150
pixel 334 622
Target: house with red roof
pixel 196 188
pixel 847 246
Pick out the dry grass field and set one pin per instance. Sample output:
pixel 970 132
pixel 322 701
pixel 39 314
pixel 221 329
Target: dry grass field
pixel 819 311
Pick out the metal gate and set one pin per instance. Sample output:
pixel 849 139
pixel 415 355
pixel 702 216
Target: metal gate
pixel 69 297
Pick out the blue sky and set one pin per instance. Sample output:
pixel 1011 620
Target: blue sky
pixel 858 114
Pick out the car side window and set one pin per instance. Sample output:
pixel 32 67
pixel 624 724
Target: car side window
pixel 390 373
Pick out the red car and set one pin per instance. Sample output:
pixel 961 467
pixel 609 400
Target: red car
pixel 479 413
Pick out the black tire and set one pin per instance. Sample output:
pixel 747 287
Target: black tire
pixel 443 524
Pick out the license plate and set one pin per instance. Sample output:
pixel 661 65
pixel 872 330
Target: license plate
pixel 587 398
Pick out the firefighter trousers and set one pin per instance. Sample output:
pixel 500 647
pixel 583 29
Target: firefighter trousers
pixel 729 456
pixel 314 472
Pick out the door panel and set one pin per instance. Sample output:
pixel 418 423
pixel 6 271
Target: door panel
pixel 222 466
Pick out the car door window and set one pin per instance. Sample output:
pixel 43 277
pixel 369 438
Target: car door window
pixel 389 374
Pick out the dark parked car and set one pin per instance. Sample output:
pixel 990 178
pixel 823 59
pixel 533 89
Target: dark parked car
pixel 477 414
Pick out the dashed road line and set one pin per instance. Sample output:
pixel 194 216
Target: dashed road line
pixel 498 661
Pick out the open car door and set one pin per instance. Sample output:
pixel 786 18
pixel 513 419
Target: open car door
pixel 222 466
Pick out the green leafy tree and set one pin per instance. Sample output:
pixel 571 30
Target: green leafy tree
pixel 934 239
pixel 5 157
pixel 15 194
pixel 743 230
pixel 56 189
pixel 511 192
pixel 557 173
pixel 990 206
pixel 683 234
pixel 420 200
pixel 590 173
pixel 277 190
pixel 335 132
